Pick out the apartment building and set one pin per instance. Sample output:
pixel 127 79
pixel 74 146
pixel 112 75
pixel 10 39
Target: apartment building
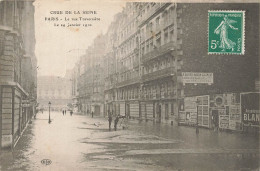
pixel 18 69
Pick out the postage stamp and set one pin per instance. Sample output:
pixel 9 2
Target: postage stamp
pixel 226 32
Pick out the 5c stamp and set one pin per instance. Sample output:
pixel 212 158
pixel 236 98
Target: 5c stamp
pixel 226 32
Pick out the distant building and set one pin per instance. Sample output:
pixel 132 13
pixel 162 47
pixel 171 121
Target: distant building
pixel 90 81
pixel 110 66
pixel 56 90
pixel 18 69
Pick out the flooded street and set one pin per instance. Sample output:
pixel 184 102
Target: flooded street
pixel 83 143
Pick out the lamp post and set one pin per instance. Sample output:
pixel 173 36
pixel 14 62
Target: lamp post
pixel 49 112
pixel 197 125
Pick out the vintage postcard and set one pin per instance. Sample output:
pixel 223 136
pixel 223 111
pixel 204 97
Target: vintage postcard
pixel 129 85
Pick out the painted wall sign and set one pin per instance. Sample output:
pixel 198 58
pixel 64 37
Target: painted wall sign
pixel 197 78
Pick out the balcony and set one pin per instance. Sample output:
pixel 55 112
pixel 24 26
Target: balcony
pixel 166 48
pixel 129 82
pixel 169 95
pixel 157 74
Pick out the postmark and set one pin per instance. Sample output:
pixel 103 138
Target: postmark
pixel 226 32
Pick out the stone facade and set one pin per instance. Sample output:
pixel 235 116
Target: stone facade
pixel 17 69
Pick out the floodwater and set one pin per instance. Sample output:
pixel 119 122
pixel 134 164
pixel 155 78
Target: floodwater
pixel 83 143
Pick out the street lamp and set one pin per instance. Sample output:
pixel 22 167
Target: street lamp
pixel 197 125
pixel 49 112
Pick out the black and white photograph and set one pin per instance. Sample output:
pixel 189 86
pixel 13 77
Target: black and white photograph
pixel 125 85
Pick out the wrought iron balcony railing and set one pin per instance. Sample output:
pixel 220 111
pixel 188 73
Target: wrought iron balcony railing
pixel 157 74
pixel 129 82
pixel 158 51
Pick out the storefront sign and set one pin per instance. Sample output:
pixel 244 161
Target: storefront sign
pixel 250 108
pixel 197 78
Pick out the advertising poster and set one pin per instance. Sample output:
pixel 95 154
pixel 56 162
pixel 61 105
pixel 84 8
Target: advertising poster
pixel 190 107
pixel 224 121
pixel 234 116
pixel 191 118
pixel 250 108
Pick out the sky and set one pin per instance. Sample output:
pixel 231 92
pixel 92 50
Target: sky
pixel 57 48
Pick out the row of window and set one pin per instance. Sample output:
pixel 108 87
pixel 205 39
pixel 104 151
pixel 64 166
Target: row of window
pixel 127 48
pixel 128 75
pixel 131 93
pixel 128 24
pixel 127 31
pixel 158 65
pixel 128 63
pixel 158 40
pixel 148 10
pixel 159 90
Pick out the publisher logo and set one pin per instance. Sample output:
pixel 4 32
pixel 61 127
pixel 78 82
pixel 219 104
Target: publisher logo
pixel 46 162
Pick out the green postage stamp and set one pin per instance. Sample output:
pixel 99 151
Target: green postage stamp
pixel 226 32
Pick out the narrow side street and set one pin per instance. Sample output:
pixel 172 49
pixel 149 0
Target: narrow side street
pixel 83 143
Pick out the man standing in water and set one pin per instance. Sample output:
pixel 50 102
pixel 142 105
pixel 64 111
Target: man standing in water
pixel 116 121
